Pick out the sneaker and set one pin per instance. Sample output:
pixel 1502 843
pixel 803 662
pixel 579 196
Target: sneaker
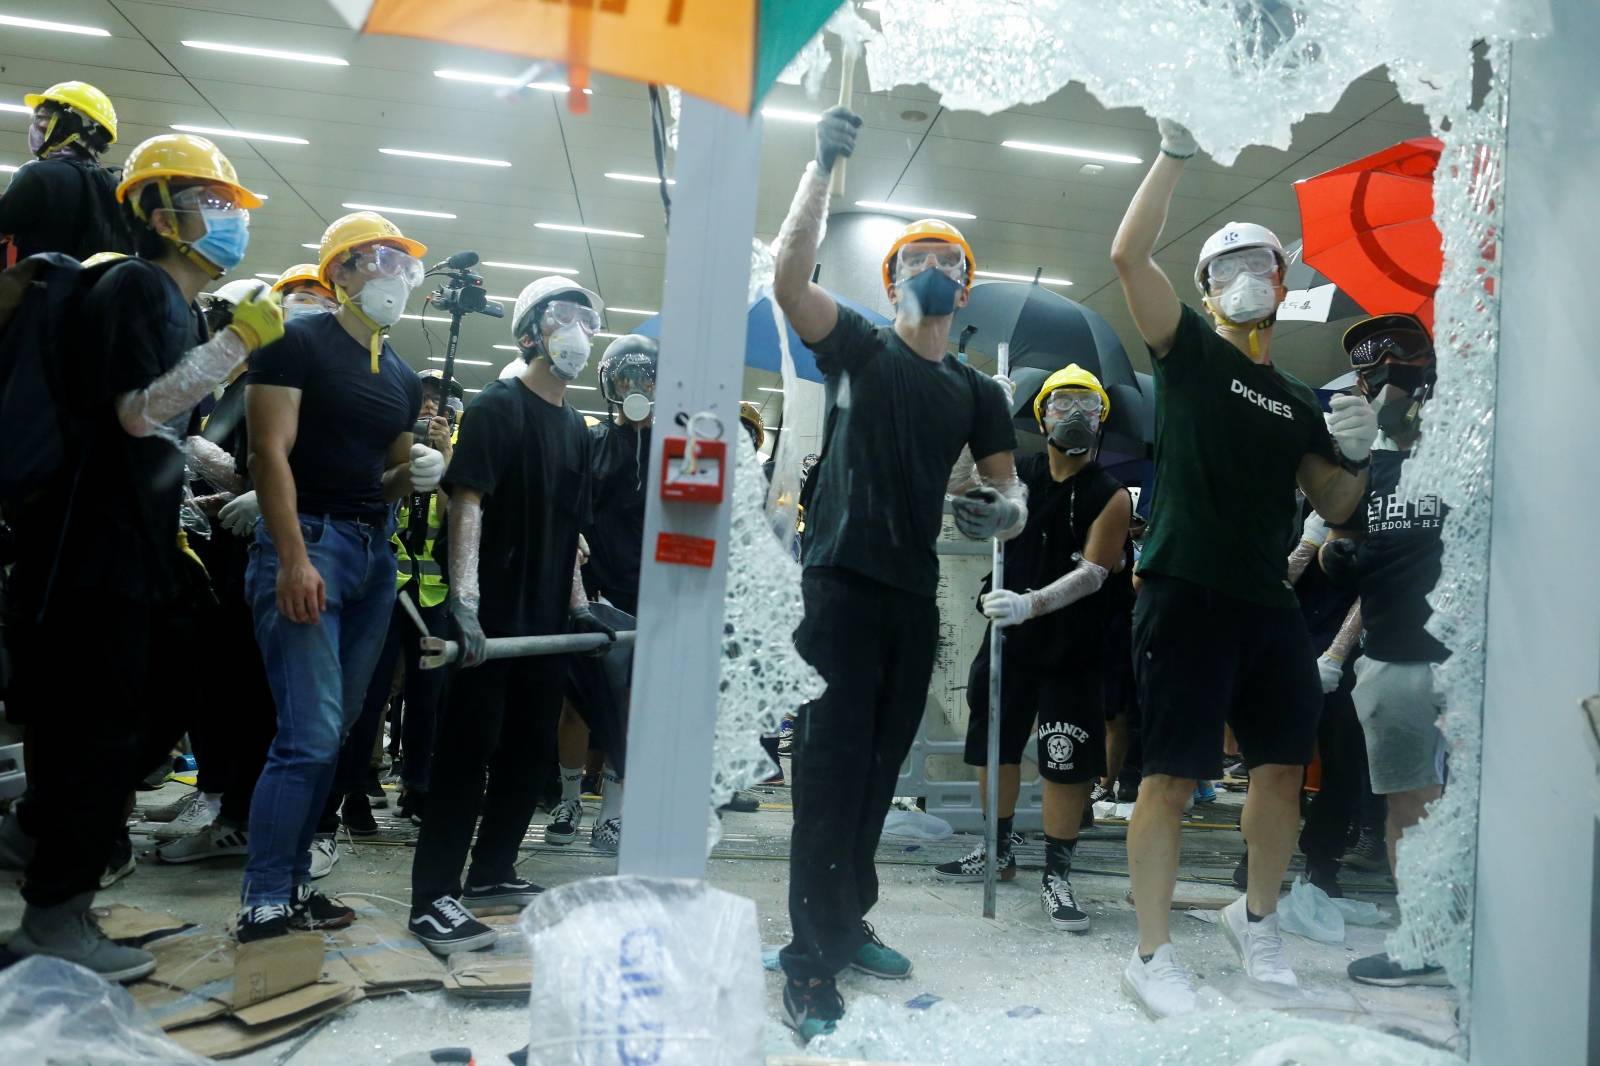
pixel 1098 793
pixel 213 842
pixel 1368 853
pixel 445 927
pixel 1060 906
pixel 607 836
pixel 1205 793
pixel 324 856
pixel 969 868
pixel 812 1008
pixel 1324 873
pixel 262 923
pixel 786 737
pixel 775 780
pixel 1241 874
pixel 877 959
pixel 377 798
pixel 1259 944
pixel 1380 969
pixel 356 816
pixel 743 801
pixel 195 817
pixel 512 892
pixel 68 931
pixel 411 804
pixel 310 909
pixel 1233 766
pixel 564 822
pixel 121 861
pixel 589 785
pixel 1161 987
pixel 169 812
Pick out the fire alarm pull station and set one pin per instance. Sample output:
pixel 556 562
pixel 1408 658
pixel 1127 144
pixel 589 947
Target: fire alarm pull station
pixel 693 469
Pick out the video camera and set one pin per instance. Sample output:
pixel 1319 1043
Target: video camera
pixel 462 293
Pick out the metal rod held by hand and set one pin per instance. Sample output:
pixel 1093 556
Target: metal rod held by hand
pixel 991 799
pixel 437 652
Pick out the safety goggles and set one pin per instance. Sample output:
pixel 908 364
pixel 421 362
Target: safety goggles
pixel 1401 345
pixel 914 258
pixel 294 301
pixel 1064 402
pixel 383 260
pixel 207 198
pixel 1259 261
pixel 558 313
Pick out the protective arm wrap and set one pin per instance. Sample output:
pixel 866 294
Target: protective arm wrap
pixel 1012 488
pixel 1349 632
pixel 208 460
pixel 964 475
pixel 1083 580
pixel 145 412
pixel 577 597
pixel 803 227
pixel 466 537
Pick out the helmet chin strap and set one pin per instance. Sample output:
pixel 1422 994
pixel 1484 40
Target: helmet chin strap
pixel 375 342
pixel 1252 331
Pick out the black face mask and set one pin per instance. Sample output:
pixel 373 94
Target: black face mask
pixel 1073 434
pixel 1398 412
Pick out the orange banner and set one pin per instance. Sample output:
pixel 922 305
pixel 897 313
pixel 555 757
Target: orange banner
pixel 705 47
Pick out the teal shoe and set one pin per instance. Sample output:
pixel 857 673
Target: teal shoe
pixel 812 1010
pixel 879 960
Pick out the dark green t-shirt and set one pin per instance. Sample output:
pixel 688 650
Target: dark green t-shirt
pixel 1230 434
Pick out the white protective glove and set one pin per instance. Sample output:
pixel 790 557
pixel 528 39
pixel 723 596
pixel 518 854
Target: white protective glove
pixel 427 467
pixel 1315 532
pixel 1176 140
pixel 1330 668
pixel 1008 387
pixel 1006 608
pixel 1354 426
pixel 238 516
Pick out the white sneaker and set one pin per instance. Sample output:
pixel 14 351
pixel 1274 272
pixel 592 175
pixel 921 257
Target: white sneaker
pixel 213 842
pixel 324 856
pixel 1160 986
pixel 1259 944
pixel 198 815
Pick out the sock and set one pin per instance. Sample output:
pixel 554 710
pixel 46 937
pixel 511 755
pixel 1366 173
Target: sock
pixel 1003 835
pixel 1250 915
pixel 1058 856
pixel 611 798
pixel 571 778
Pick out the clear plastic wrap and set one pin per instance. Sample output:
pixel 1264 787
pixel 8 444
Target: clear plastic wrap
pixel 804 226
pixel 208 460
pixel 56 1012
pixel 466 540
pixel 147 412
pixel 1082 580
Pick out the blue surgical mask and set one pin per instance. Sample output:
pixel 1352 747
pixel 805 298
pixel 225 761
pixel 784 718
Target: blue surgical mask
pixel 934 290
pixel 227 237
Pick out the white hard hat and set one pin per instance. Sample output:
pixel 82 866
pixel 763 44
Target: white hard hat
pixel 1233 237
pixel 542 289
pixel 243 288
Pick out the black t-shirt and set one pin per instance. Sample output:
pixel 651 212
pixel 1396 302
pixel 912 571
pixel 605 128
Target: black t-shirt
pixel 121 537
pixel 348 415
pixel 1060 514
pixel 1398 563
pixel 531 461
pixel 896 425
pixel 616 533
pixel 63 205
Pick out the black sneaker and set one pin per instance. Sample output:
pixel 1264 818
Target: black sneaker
pixel 411 805
pixel 445 927
pixel 743 801
pixel 1098 793
pixel 1060 906
pixel 969 867
pixel 512 892
pixel 564 822
pixel 1368 853
pixel 262 923
pixel 377 798
pixel 589 785
pixel 812 1008
pixel 310 909
pixel 356 814
pixel 1380 969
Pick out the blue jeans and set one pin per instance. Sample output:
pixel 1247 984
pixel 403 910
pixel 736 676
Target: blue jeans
pixel 319 675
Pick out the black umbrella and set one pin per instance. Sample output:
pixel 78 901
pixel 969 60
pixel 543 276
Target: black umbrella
pixel 1304 302
pixel 1047 331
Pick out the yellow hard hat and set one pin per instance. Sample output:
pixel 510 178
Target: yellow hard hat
pixel 305 272
pixel 1071 376
pixel 182 155
pixel 83 98
pixel 104 257
pixel 928 229
pixel 750 415
pixel 358 228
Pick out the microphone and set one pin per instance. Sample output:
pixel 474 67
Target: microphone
pixel 459 261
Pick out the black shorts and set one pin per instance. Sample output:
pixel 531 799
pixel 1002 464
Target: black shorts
pixel 1120 684
pixel 1069 706
pixel 598 687
pixel 1204 658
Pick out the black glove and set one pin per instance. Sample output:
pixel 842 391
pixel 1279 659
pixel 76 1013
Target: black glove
pixel 474 645
pixel 584 621
pixel 836 136
pixel 1338 560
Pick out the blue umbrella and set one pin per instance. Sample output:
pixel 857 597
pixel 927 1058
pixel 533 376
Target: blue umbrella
pixel 761 338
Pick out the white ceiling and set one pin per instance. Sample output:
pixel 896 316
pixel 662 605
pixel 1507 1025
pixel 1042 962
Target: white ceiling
pixel 1033 210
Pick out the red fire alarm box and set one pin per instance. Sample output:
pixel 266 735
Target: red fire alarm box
pixel 701 479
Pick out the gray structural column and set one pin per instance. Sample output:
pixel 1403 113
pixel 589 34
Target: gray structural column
pixel 678 656
pixel 1533 990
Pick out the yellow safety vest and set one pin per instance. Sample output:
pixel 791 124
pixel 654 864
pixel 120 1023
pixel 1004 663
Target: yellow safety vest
pixel 432 587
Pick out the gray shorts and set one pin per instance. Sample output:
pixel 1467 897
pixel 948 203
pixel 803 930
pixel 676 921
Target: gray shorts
pixel 1399 708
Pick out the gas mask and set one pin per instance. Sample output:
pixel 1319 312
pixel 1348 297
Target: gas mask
pixel 568 348
pixel 1074 421
pixel 383 299
pixel 1398 391
pixel 636 406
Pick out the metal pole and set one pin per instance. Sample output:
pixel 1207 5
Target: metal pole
pixel 437 652
pixel 991 822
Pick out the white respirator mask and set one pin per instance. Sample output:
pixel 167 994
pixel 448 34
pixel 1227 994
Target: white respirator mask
pixel 383 299
pixel 569 351
pixel 1247 298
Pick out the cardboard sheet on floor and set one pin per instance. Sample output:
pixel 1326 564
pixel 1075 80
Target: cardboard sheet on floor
pixel 504 971
pixel 377 954
pixel 227 1037
pixel 135 925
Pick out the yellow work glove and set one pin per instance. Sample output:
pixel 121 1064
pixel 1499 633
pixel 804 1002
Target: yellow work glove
pixel 258 320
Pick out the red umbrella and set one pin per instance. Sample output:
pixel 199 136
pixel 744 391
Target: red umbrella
pixel 1368 227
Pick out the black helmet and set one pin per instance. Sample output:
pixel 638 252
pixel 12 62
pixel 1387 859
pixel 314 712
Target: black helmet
pixel 437 377
pixel 632 352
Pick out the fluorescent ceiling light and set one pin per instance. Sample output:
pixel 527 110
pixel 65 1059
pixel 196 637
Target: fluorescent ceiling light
pixel 1018 277
pixel 218 131
pixel 471 390
pixel 633 311
pixel 587 229
pixel 908 209
pixel 398 210
pixel 599 414
pixel 508 347
pixel 313 247
pixel 426 318
pixel 605 334
pixel 58 27
pixel 585 388
pixel 1069 150
pixel 460 361
pixel 267 53
pixel 445 158
pixel 784 114
pixel 269 277
pixel 647 179
pixel 501 79
pixel 767 388
pixel 21 109
pixel 535 267
pixel 9 168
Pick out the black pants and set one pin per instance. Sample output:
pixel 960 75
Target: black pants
pixel 874 646
pixel 500 717
pixel 1338 811
pixel 231 738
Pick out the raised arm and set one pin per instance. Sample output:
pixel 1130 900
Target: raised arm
pixel 1151 298
pixel 808 306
